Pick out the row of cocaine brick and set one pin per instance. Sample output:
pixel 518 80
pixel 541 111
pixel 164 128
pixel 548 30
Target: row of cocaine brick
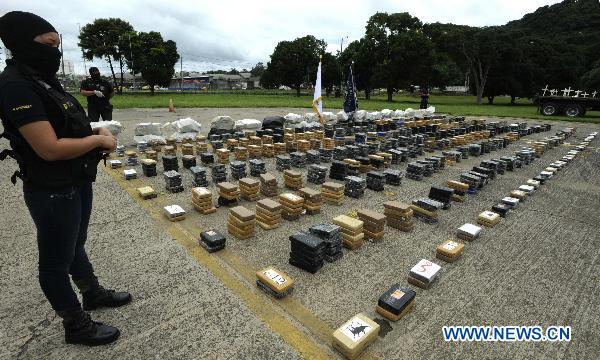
pixel 440 197
pixel 357 333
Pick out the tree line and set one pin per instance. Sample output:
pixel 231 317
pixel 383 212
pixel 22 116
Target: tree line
pixel 145 53
pixel 557 45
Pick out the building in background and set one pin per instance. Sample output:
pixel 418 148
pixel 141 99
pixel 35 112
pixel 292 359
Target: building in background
pixel 226 82
pixel 252 82
pixel 194 82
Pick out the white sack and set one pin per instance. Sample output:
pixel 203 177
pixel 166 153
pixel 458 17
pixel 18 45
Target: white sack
pixel 147 128
pixel 150 139
pixel 293 118
pixel 328 116
pixel 376 115
pixel 360 115
pixel 222 123
pixel 386 113
pixel 247 124
pixel 341 116
pixel 113 126
pixel 399 113
pixel 310 117
pixel 186 125
pixel 179 136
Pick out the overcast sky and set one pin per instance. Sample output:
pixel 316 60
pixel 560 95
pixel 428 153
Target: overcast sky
pixel 233 33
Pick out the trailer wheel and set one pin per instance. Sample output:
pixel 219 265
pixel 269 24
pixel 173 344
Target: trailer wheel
pixel 550 109
pixel 574 110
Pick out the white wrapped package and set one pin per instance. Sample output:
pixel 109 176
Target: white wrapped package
pixel 113 126
pixel 342 116
pixel 302 124
pixel 328 116
pixel 247 124
pixel 386 113
pixel 186 125
pixel 399 113
pixel 360 115
pixel 293 118
pixel 147 128
pixel 222 123
pixel 409 112
pixel 179 136
pixel 310 117
pixel 150 139
pixel 375 115
pixel 430 110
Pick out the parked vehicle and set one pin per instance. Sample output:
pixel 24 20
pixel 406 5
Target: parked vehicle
pixel 567 105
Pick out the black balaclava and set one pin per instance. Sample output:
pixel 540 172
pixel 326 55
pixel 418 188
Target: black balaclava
pixel 17 31
pixel 95 73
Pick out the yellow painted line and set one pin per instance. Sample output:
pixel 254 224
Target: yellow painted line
pixel 275 320
pixel 317 326
pixel 292 306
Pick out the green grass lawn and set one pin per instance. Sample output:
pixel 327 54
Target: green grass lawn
pixel 456 105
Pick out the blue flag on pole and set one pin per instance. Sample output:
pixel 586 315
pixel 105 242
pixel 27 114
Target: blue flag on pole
pixel 351 102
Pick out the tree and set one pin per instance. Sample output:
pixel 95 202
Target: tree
pixel 591 79
pixel 258 69
pixel 154 58
pixel 104 38
pixel 362 54
pixel 232 71
pixel 402 51
pixel 294 63
pixel 525 64
pixel 331 72
pixel 267 80
pixel 450 66
pixel 480 49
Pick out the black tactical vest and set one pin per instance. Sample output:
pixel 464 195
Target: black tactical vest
pixel 34 170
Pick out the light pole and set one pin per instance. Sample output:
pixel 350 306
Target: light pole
pixel 62 56
pixel 131 56
pixel 181 73
pixel 342 43
pixel 82 56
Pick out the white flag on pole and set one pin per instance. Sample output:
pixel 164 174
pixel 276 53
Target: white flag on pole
pixel 317 103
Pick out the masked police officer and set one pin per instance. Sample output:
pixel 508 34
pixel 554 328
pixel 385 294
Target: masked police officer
pixel 98 92
pixel 58 154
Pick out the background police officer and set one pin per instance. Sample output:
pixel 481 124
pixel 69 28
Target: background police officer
pixel 58 154
pixel 98 92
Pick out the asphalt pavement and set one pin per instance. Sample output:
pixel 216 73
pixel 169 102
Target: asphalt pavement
pixel 538 266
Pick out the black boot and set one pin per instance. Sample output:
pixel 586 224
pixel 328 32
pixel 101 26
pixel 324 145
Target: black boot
pixel 95 296
pixel 80 329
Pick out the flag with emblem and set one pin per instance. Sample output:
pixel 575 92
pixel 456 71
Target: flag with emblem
pixel 351 101
pixel 317 103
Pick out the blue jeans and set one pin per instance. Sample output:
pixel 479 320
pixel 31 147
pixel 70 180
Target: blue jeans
pixel 61 217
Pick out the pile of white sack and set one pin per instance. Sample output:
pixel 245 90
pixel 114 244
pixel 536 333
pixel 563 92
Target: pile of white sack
pixel 309 119
pixel 418 113
pixel 362 115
